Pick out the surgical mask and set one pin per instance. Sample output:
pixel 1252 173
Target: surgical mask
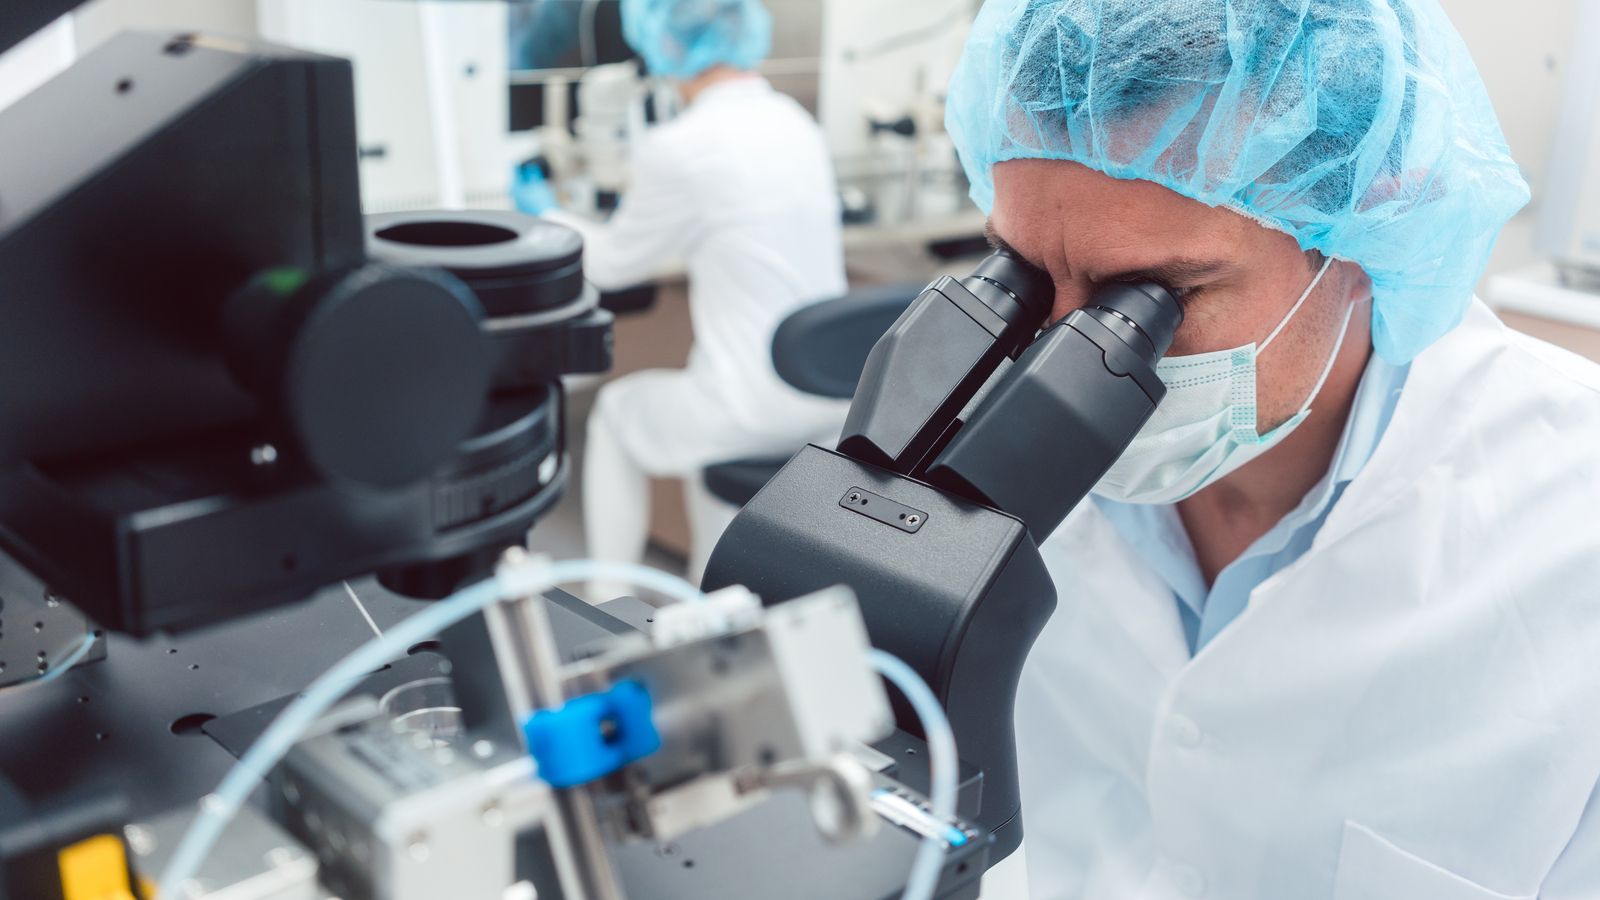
pixel 1206 426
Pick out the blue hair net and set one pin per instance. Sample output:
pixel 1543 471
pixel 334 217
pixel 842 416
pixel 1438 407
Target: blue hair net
pixel 1359 127
pixel 682 38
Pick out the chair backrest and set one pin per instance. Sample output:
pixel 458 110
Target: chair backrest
pixel 822 348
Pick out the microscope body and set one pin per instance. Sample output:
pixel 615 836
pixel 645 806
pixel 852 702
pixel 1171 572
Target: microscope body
pixel 968 442
pixel 960 595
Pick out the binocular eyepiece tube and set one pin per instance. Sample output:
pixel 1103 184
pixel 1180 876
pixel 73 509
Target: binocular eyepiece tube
pixel 1077 393
pixel 1051 425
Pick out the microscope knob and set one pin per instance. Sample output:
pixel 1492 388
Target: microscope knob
pixel 376 372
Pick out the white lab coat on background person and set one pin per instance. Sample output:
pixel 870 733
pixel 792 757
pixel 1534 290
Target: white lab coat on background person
pixel 1410 711
pixel 740 189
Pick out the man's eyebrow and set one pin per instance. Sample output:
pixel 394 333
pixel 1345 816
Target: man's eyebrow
pixel 998 242
pixel 1173 273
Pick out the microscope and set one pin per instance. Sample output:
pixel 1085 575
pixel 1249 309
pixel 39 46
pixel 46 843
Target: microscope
pixel 227 388
pixel 971 437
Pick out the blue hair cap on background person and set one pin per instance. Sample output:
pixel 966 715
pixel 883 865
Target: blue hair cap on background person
pixel 1359 127
pixel 682 38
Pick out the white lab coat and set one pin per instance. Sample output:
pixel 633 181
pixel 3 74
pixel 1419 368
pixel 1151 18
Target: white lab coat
pixel 1411 711
pixel 740 189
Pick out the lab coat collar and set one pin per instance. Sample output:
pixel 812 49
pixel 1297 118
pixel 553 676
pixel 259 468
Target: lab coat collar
pixel 733 87
pixel 1100 562
pixel 1157 532
pixel 1423 427
pixel 1421 430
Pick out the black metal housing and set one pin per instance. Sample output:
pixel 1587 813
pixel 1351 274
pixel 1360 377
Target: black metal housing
pixel 527 272
pixel 943 486
pixel 1054 422
pixel 960 599
pixel 33 834
pixel 937 355
pixel 221 402
pixel 191 168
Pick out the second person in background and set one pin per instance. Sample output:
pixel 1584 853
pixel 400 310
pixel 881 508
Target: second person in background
pixel 740 189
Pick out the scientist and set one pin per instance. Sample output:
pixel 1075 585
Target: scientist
pixel 741 190
pixel 1330 630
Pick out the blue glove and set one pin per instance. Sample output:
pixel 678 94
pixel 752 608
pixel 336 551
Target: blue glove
pixel 530 192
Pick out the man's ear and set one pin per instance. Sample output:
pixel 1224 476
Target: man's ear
pixel 1357 284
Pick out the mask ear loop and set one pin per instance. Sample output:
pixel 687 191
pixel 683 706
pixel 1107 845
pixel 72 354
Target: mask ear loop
pixel 1245 429
pixel 1327 263
pixel 1349 313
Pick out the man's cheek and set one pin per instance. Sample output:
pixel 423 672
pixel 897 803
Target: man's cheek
pixel 1207 327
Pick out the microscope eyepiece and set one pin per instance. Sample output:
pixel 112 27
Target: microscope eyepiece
pixel 1029 286
pixel 1079 393
pixel 936 357
pixel 1145 315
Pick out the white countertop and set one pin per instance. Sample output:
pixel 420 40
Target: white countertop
pixel 1538 291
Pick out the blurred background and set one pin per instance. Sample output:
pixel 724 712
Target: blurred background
pixel 455 97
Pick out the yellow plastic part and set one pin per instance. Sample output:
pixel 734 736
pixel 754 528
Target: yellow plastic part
pixel 95 869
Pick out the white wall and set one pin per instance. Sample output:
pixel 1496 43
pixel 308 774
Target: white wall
pixel 35 60
pixel 393 108
pixel 1521 50
pixel 422 165
pixel 869 70
pixel 31 63
pixel 100 19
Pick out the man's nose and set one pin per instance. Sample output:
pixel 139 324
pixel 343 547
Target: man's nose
pixel 1071 295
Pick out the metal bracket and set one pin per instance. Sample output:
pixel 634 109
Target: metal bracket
pixel 889 512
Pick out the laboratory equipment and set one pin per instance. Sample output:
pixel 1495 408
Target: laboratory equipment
pixel 716 710
pixel 884 67
pixel 581 98
pixel 968 441
pixel 285 393
pixel 611 116
pixel 820 350
pixel 235 360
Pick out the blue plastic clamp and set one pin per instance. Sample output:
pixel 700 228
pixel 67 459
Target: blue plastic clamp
pixel 592 736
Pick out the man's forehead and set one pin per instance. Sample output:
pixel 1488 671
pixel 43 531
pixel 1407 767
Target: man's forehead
pixel 1059 213
pixel 1085 200
pixel 1157 264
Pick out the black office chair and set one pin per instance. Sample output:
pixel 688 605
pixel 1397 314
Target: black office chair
pixel 630 300
pixel 820 350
